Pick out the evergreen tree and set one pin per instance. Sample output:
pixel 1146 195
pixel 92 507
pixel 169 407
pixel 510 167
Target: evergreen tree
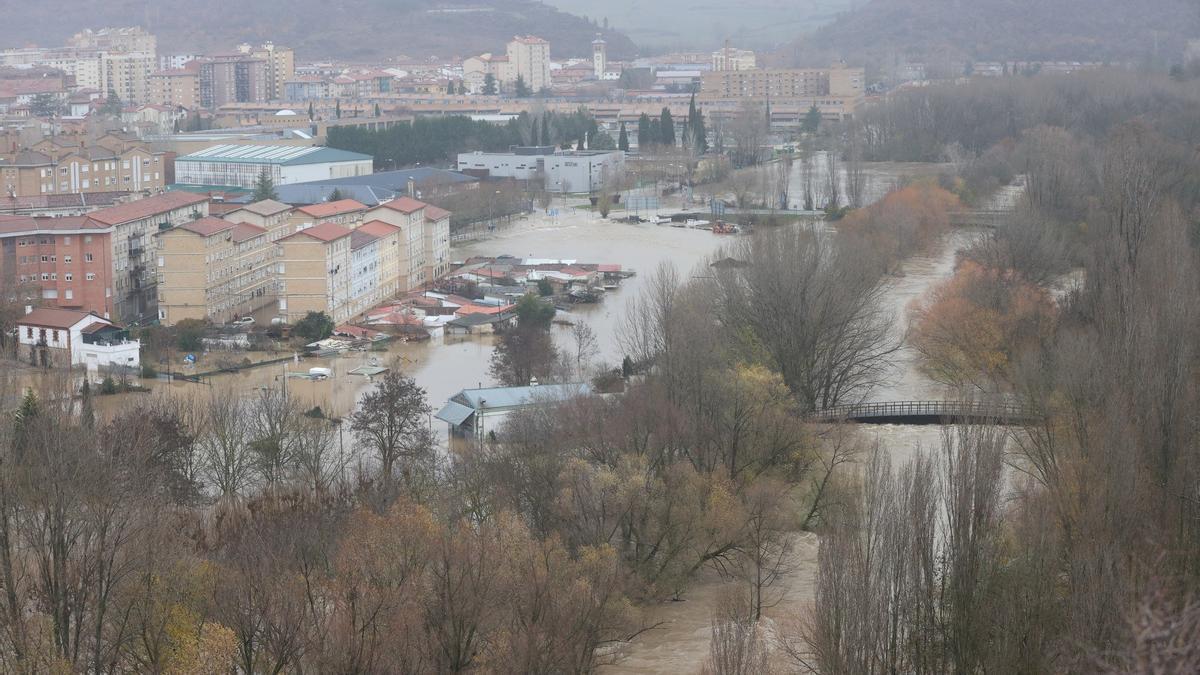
pixel 623 139
pixel 112 104
pixel 546 129
pixel 87 411
pixel 337 108
pixel 689 126
pixel 700 133
pixel 643 132
pixel 450 87
pixel 812 121
pixel 377 111
pixel 23 420
pixel 533 133
pixel 666 128
pixel 264 186
pixel 311 113
pixel 522 89
pixel 489 84
pixel 579 145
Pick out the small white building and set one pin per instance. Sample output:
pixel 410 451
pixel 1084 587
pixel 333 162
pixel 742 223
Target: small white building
pixel 64 338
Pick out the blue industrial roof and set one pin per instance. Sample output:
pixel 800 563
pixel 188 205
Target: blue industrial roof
pixel 398 180
pixel 303 194
pixel 454 413
pixel 284 155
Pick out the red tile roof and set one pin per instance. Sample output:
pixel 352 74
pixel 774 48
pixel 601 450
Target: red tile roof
pixel 23 224
pixel 144 208
pixel 47 317
pixel 244 231
pixel 378 228
pixel 325 232
pixel 434 214
pixel 327 209
pixel 207 226
pixel 359 239
pixel 404 205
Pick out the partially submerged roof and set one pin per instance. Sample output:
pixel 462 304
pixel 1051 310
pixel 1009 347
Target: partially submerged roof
pixel 454 413
pixel 511 398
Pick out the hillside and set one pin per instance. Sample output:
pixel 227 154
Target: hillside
pixel 317 29
pixel 881 31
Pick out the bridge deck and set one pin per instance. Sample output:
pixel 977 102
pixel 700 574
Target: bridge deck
pixel 929 412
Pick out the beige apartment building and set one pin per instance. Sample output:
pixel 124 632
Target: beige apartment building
pixel 345 212
pixel 51 170
pixel 529 58
pixel 272 216
pixel 215 269
pixel 177 87
pixel 838 90
pixel 281 66
pixel 128 75
pixel 728 58
pixel 315 273
pixel 233 78
pixel 408 214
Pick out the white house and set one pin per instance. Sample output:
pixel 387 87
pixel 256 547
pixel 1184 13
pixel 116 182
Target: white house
pixel 66 337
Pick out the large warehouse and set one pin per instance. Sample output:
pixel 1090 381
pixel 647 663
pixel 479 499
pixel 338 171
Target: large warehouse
pixel 240 165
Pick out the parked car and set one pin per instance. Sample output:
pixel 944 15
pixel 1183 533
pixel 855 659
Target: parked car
pixel 244 321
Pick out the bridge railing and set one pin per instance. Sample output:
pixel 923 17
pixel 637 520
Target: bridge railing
pixel 959 409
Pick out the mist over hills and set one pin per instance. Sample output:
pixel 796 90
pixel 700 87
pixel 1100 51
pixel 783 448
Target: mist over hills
pixel 343 29
pixel 1076 30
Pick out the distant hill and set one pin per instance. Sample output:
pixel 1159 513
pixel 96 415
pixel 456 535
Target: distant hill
pixel 880 31
pixel 344 29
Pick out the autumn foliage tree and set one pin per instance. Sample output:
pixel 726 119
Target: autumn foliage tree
pixel 972 328
pixel 905 221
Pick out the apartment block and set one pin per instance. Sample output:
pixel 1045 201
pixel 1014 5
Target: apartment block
pixel 728 58
pixel 838 88
pixel 128 39
pixel 53 169
pixel 177 86
pixel 215 269
pixel 345 212
pixel 437 242
pixel 529 58
pixel 280 62
pixel 133 226
pixel 127 74
pixel 233 78
pixel 315 275
pixel 273 216
pixel 64 261
pixel 408 214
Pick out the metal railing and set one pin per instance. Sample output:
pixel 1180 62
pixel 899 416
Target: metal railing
pixel 942 410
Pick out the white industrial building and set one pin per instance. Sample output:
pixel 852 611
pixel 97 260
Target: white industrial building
pixel 559 171
pixel 240 165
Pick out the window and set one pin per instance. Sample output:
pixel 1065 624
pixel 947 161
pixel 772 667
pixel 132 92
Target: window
pixel 91 276
pixel 29 332
pixel 45 258
pixel 83 169
pixel 45 276
pixel 87 257
pixel 67 259
pixel 54 276
pixel 67 276
pixel 87 238
pixel 70 294
pixel 56 336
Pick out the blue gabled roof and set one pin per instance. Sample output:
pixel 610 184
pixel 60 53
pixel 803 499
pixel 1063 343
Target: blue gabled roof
pixel 501 398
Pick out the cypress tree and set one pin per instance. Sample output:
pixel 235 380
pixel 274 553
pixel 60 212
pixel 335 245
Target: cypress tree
pixel 533 133
pixel 546 129
pixel 666 131
pixel 643 131
pixel 623 139
pixel 311 112
pixel 700 133
pixel 337 108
